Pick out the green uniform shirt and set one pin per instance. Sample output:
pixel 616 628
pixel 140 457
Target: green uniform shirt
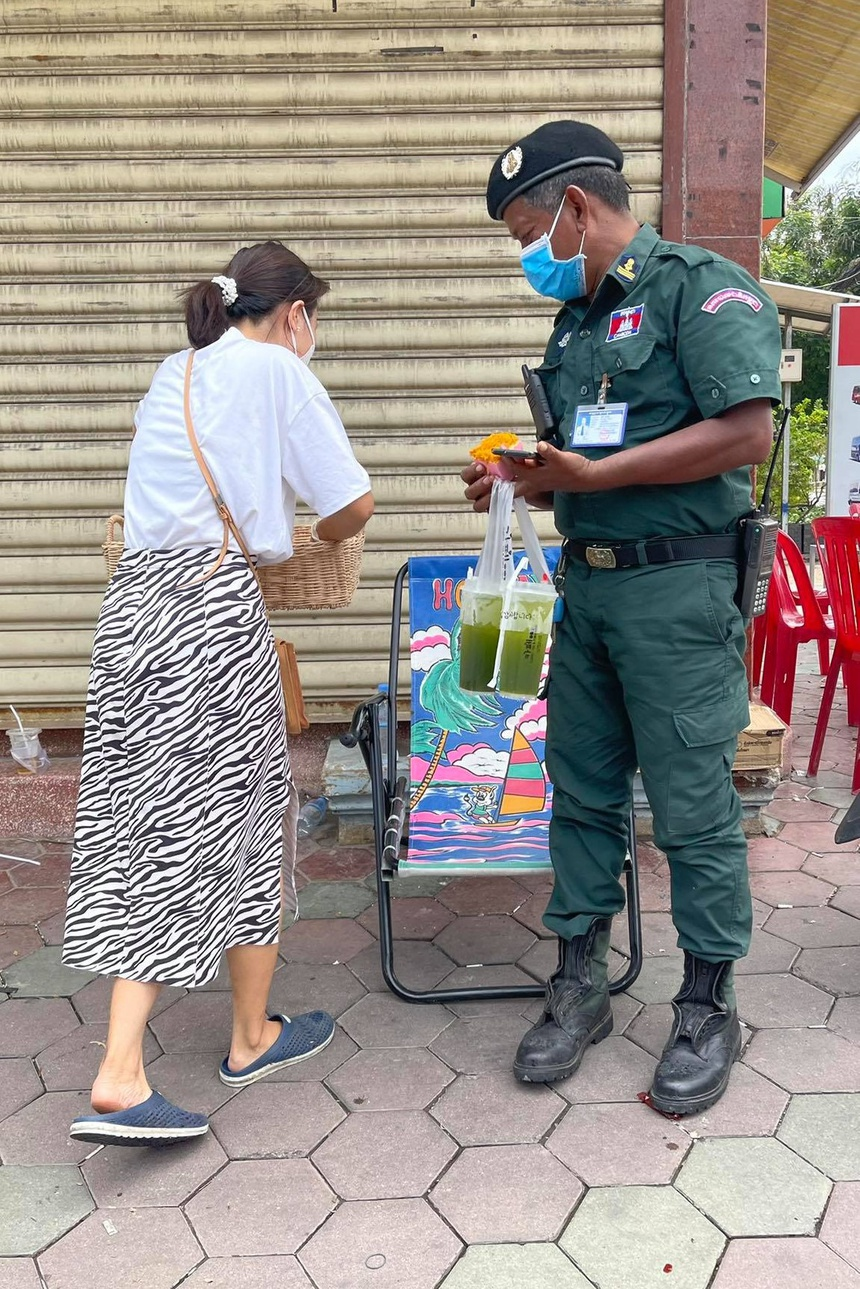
pixel 683 335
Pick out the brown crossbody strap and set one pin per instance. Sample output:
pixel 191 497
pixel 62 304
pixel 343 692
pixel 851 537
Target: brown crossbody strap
pixel 223 510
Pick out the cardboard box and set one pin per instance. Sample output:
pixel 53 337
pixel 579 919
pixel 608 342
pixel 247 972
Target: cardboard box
pixel 760 744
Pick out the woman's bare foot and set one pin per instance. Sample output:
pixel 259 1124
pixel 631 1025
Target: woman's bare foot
pixel 111 1093
pixel 244 1054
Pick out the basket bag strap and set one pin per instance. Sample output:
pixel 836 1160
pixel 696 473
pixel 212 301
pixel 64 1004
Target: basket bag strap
pixel 223 510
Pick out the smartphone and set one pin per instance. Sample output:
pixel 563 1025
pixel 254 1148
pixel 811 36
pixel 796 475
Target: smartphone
pixel 517 454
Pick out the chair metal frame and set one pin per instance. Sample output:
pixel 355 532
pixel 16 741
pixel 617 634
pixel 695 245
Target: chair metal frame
pixel 390 804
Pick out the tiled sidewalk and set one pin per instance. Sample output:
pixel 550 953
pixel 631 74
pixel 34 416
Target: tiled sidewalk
pixel 405 1156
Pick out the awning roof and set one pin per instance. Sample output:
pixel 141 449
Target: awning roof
pixel 813 87
pixel 810 307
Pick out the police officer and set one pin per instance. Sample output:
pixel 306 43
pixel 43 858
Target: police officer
pixel 661 373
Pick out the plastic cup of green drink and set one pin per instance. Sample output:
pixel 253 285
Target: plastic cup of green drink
pixel 480 623
pixel 527 622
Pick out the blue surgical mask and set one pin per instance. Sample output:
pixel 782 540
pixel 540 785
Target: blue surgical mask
pixel 558 279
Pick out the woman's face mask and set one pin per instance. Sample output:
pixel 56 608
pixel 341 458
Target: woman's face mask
pixel 309 352
pixel 557 279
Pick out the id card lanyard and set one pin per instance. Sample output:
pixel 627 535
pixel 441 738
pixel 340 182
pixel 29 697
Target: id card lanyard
pixel 600 424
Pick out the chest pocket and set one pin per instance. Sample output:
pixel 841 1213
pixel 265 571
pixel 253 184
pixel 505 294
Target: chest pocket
pixel 637 371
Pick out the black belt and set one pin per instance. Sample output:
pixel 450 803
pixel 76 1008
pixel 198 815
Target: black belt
pixel 656 550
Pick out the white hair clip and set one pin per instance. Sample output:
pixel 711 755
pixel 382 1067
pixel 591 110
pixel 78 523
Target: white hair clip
pixel 229 290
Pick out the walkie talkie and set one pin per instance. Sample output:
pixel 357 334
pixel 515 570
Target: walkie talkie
pixel 540 408
pixel 759 532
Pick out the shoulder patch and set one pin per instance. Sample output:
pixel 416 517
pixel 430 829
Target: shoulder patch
pixel 719 298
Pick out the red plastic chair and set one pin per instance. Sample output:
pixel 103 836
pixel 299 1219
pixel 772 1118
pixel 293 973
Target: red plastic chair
pixel 793 617
pixel 838 542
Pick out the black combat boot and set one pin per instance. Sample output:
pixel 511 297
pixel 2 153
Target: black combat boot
pixel 704 1043
pixel 577 1009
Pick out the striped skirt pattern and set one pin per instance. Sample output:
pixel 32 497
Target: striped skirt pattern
pixel 185 774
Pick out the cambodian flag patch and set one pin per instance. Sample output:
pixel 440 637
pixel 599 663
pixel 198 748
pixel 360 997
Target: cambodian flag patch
pixel 625 322
pixel 719 298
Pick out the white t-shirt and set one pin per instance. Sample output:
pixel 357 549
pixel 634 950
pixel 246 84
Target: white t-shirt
pixel 269 434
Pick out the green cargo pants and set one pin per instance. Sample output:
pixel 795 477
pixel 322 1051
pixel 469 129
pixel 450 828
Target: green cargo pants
pixel 647 669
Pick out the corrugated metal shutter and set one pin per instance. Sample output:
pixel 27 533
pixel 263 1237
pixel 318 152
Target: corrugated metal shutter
pixel 142 147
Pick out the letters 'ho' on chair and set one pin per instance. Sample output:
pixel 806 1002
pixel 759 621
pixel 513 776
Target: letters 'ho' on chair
pixel 477 800
pixel 793 616
pixel 838 543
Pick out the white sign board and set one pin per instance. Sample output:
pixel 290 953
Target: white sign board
pixel 791 366
pixel 843 446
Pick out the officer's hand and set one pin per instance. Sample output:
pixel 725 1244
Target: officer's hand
pixel 480 485
pixel 555 472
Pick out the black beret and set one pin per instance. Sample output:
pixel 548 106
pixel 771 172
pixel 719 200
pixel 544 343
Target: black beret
pixel 548 150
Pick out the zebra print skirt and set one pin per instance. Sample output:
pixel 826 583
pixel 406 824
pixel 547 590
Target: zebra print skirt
pixel 185 774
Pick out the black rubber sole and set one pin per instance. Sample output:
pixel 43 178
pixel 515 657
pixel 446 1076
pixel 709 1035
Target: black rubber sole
pixel 555 1073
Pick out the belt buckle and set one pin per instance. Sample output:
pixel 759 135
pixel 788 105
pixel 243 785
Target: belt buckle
pixel 600 556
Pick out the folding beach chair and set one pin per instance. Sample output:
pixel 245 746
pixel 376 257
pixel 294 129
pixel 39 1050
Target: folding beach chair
pixel 477 799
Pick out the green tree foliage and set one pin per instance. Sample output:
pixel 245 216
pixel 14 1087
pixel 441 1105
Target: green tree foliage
pixel 808 452
pixel 817 244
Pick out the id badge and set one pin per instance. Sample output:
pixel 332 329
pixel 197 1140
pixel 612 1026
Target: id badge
pixel 599 426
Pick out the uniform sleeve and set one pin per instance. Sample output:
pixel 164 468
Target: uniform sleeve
pixel 317 460
pixel 728 341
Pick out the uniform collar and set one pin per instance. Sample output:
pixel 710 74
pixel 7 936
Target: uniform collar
pixel 626 270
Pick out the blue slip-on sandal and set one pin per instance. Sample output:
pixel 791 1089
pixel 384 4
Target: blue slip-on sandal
pixel 155 1122
pixel 301 1037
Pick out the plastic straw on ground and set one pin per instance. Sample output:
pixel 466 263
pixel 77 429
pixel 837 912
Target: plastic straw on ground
pixel 17 718
pixel 19 859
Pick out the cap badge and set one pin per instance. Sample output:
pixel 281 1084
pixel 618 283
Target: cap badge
pixel 512 163
pixel 565 340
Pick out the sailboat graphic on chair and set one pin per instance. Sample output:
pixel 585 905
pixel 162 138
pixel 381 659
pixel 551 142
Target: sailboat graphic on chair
pixel 524 788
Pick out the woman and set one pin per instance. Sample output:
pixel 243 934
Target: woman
pixel 185 774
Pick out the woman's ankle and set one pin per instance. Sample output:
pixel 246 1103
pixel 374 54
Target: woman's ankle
pixel 247 1044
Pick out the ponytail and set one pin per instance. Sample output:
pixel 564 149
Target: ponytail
pixel 260 279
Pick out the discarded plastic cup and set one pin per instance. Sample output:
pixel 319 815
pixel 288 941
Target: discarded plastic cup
pixel 526 624
pixel 26 748
pixel 480 623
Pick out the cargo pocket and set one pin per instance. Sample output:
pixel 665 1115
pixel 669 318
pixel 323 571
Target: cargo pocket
pixel 700 789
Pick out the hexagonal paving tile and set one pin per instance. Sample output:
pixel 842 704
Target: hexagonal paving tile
pixel 19 1084
pixel 19 1273
pixel 515 1266
pixel 823 1130
pixel 190 1079
pixel 248 1273
pixel 39 1134
pixel 381 1244
pixel 650 1028
pixel 413 917
pixel 614 1070
pixel 781 1002
pixel 772 854
pixel 25 906
pixel 813 836
pixel 840 1229
pixel 52 930
pixel 821 928
pixel 481 977
pixel 475 1195
pixel 835 970
pixel 393 1078
pixel 784 810
pixel 381 1020
pixel 158 1238
pixel 751 1106
pixel 388 1155
pixel 482 895
pixel 798 889
pixel 28 1025
pixel 17 942
pixel 42 975
pixel 619 1145
pixel 71 1064
pixel 848 898
pixel 485 941
pixel 805 1060
pixel 419 964
pixel 655 892
pixel 333 900
pixel 495 1110
pixel 302 987
pixel 835 868
pixel 39 1205
pixel 531 915
pixel 480 1044
pixel 257 1207
pixel 783 1264
pixel 767 954
pixel 152 1178
pixel 659 936
pixel 200 1022
pixel 344 863
pixel 329 940
pixel 659 980
pixel 276 1121
pixel 845 1019
pixel 653 1228
pixel 754 1186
